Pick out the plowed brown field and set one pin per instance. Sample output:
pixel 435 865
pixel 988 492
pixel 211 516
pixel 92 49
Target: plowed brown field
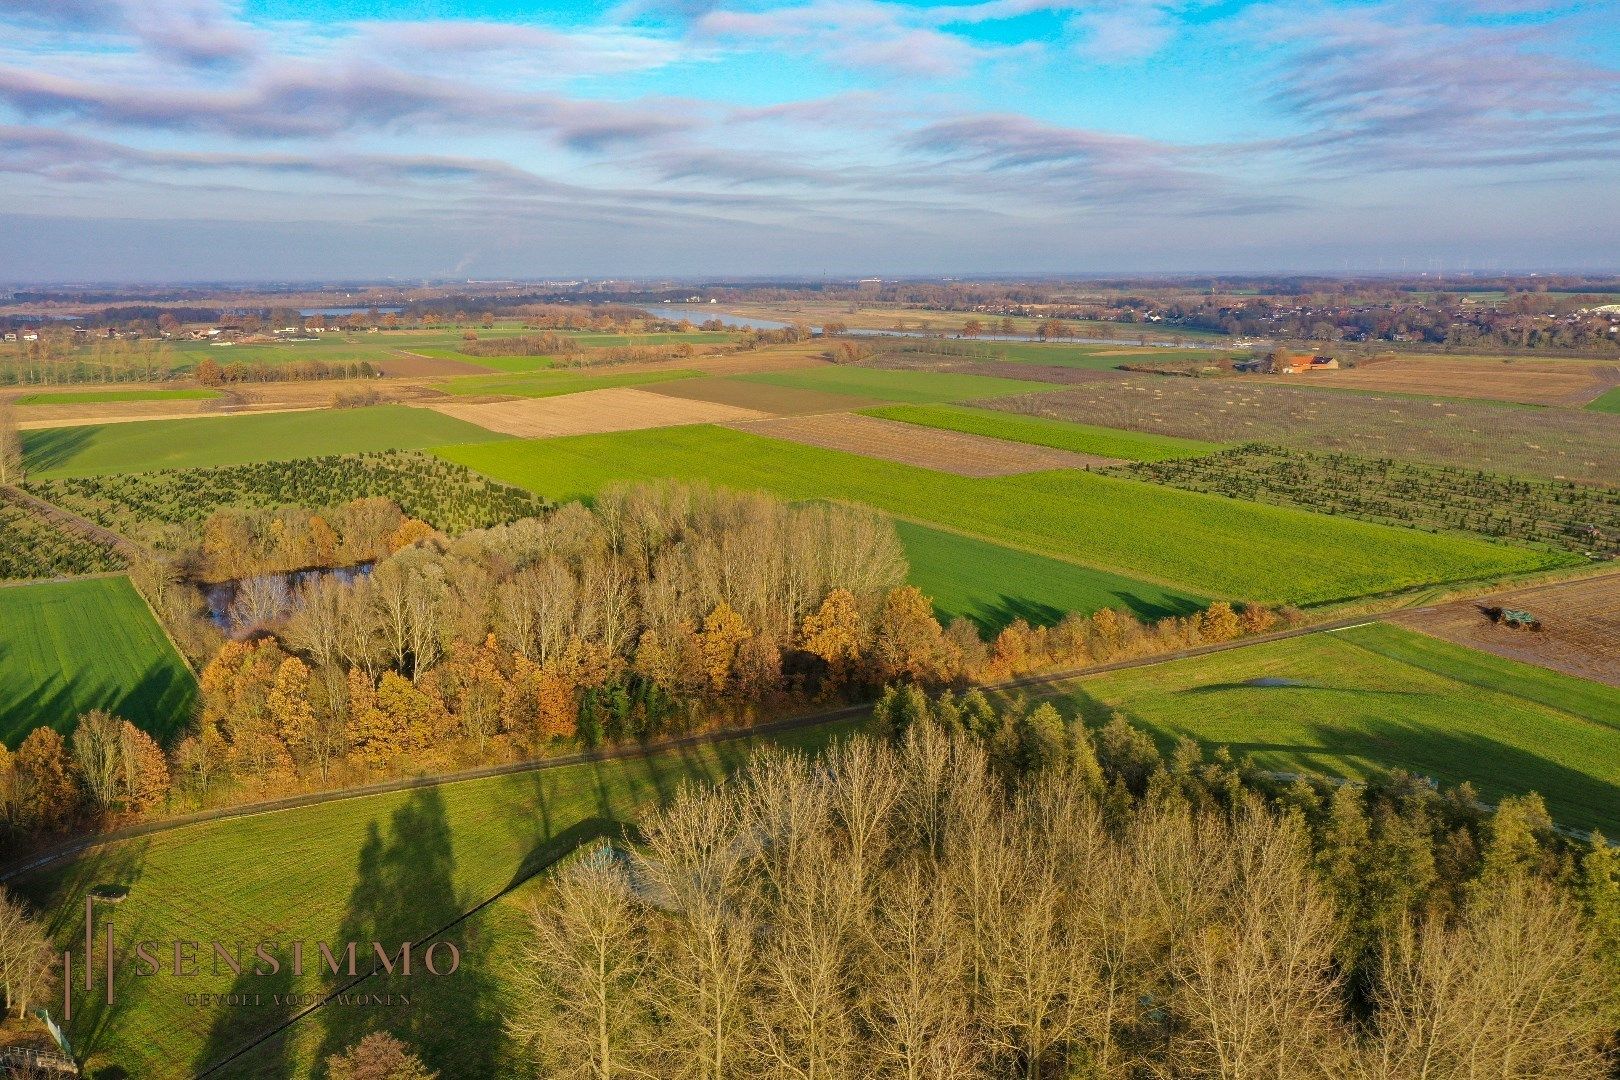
pixel 1531 382
pixel 779 400
pixel 588 413
pixel 1579 635
pixel 928 448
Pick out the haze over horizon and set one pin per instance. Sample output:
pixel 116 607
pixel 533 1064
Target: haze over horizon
pixel 165 140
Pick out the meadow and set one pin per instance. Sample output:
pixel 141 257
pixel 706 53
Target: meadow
pixel 1039 431
pixel 883 384
pixel 1202 543
pixel 230 440
pixel 98 397
pixel 539 384
pixel 69 647
pixel 394 867
pixel 1353 702
pixel 1607 402
pixel 992 585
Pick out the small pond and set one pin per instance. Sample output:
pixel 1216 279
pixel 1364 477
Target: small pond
pixel 245 603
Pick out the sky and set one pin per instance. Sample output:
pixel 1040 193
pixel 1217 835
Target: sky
pixel 187 140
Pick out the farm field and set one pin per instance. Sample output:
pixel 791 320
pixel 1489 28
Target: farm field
pixel 1580 624
pixel 886 384
pixel 945 322
pixel 97 397
pixel 1580 445
pixel 1526 381
pixel 1204 543
pixel 391 867
pixel 992 585
pixel 589 411
pixel 1607 402
pixel 925 447
pixel 778 400
pixel 556 383
pixel 33 547
pixel 69 647
pixel 1098 357
pixel 1079 438
pixel 231 440
pixel 1378 697
pixel 1581 520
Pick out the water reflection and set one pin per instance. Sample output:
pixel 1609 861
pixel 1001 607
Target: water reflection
pixel 247 604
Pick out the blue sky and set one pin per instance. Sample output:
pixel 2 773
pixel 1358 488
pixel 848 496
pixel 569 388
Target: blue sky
pixel 303 139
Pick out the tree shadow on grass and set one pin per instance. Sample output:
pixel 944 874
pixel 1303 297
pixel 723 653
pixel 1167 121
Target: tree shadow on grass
pixel 53 448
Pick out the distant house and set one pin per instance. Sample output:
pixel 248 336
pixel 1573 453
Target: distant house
pixel 1301 364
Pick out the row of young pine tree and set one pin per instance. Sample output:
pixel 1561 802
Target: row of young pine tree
pixel 659 611
pixel 997 894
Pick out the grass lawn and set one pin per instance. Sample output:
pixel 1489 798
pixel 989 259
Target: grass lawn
pixel 72 646
pixel 1607 402
pixel 887 385
pixel 1377 697
pixel 393 867
pixel 233 440
pixel 1202 543
pixel 1100 357
pixel 557 383
pixel 95 397
pixel 1081 438
pixel 993 585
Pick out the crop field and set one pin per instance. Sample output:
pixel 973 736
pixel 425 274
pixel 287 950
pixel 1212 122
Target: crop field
pixel 557 383
pixel 885 384
pixel 1058 434
pixel 925 447
pixel 1097 357
pixel 97 397
pixel 624 409
pixel 1204 543
pixel 72 646
pixel 32 547
pixel 1580 624
pixel 230 440
pixel 777 400
pixel 1378 697
pixel 1574 518
pixel 1530 382
pixel 1571 444
pixel 992 585
pixel 138 505
pixel 1607 402
pixel 392 867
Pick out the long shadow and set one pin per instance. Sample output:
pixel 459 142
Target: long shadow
pixel 52 448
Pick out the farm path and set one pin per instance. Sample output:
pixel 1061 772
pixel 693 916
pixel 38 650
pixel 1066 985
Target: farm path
pixel 72 522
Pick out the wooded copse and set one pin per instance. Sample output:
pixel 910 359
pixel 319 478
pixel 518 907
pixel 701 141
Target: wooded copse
pixel 996 894
pixel 660 609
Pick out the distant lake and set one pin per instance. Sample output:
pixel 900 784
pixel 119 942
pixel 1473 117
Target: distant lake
pixel 348 310
pixel 696 315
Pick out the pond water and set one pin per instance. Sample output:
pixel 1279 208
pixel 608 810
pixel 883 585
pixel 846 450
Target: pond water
pixel 306 312
pixel 697 315
pixel 244 604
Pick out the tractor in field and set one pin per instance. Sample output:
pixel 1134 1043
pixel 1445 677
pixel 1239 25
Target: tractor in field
pixel 1512 618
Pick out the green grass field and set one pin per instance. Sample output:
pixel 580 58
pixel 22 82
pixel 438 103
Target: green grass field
pixel 556 383
pixel 69 647
pixel 883 384
pixel 232 440
pixel 1202 543
pixel 1607 402
pixel 96 397
pixel 391 867
pixel 993 585
pixel 1060 434
pixel 1098 357
pixel 1377 697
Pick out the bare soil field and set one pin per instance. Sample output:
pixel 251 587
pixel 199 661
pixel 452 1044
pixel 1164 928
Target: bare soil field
pixel 777 400
pixel 1046 373
pixel 928 448
pixel 1530 382
pixel 588 413
pixel 1580 622
pixel 1573 445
